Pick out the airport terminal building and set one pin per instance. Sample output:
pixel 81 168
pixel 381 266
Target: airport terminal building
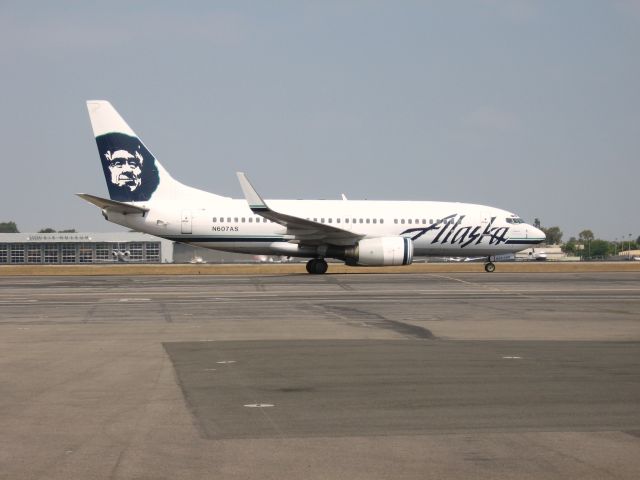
pixel 83 248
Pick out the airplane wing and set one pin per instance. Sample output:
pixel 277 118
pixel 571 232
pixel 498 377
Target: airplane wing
pixel 114 206
pixel 303 230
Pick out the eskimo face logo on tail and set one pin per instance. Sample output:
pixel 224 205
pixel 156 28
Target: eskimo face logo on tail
pixel 129 168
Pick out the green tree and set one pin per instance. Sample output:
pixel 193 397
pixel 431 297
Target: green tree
pixel 554 235
pixel 9 227
pixel 570 248
pixel 70 230
pixel 599 248
pixel 585 236
pixel 536 223
pixel 46 230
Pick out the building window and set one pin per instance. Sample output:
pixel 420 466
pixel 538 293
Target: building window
pixel 51 253
pixel 103 253
pixel 135 252
pixel 152 250
pixel 4 254
pixel 68 253
pixel 34 253
pixel 85 253
pixel 17 253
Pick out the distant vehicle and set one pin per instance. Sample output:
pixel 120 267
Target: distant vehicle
pixel 197 259
pixel 540 256
pixel 143 196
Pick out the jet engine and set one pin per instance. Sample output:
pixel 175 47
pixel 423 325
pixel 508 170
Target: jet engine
pixel 382 251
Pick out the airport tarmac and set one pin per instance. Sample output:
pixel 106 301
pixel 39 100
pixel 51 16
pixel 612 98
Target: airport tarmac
pixel 402 376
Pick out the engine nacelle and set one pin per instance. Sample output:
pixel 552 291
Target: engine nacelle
pixel 378 252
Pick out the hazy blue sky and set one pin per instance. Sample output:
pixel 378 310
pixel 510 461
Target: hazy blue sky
pixel 525 105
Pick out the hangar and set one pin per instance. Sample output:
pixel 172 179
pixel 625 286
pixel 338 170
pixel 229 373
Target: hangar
pixel 82 248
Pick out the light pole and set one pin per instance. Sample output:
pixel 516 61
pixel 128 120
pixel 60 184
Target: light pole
pixel 615 248
pixel 629 252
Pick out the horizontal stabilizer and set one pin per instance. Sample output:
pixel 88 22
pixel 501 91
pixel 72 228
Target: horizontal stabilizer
pixel 112 205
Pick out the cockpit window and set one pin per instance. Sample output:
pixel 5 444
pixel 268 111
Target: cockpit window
pixel 514 220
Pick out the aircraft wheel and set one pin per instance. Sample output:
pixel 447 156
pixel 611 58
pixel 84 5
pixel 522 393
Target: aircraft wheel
pixel 317 266
pixel 489 267
pixel 311 266
pixel 321 267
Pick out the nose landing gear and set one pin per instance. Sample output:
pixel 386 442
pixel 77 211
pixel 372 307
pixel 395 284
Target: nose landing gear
pixel 489 266
pixel 317 266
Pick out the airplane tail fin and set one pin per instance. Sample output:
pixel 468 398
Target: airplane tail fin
pixel 131 171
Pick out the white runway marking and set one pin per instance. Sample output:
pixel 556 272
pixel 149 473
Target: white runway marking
pixel 259 405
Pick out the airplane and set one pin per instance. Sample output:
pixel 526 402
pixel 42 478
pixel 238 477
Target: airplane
pixel 144 197
pixel 121 256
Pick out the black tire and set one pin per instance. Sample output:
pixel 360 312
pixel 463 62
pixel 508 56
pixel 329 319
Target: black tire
pixel 489 267
pixel 321 267
pixel 311 266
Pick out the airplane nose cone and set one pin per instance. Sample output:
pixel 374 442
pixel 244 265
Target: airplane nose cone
pixel 537 233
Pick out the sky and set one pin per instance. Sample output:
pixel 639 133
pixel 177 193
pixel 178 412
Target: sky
pixel 530 106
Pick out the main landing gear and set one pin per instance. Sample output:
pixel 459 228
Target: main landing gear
pixel 489 266
pixel 317 266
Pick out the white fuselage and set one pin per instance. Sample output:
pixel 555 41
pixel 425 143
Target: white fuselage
pixel 436 228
